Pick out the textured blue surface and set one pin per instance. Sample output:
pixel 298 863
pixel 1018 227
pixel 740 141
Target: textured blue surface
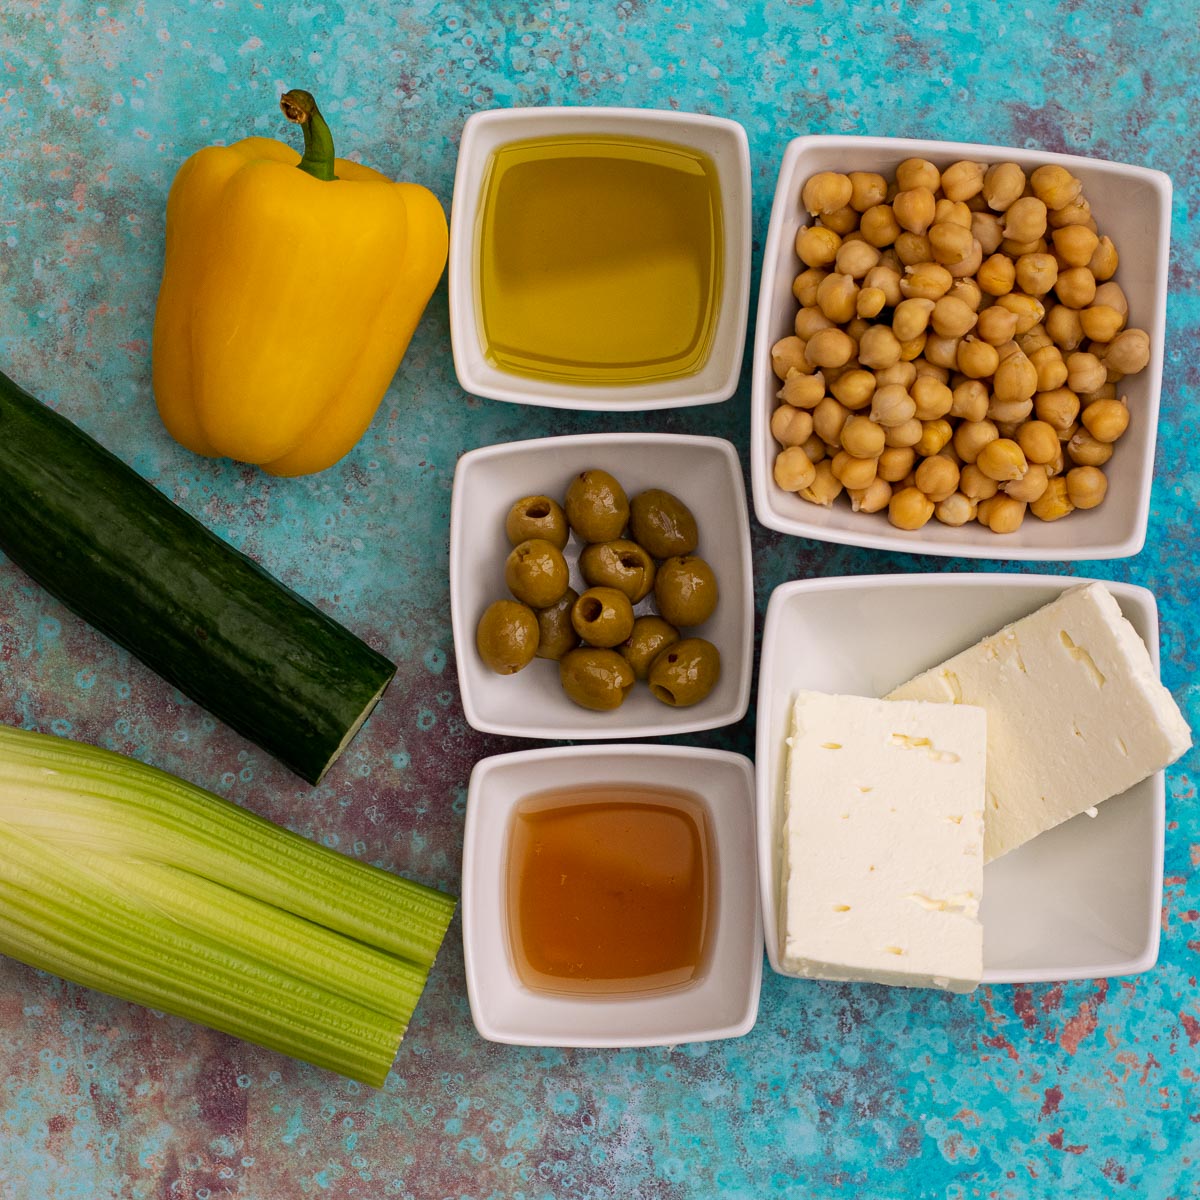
pixel 1084 1090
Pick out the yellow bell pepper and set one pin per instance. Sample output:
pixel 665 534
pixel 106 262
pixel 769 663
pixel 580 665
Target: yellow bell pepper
pixel 291 289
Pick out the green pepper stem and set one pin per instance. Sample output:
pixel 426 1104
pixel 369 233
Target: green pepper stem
pixel 301 109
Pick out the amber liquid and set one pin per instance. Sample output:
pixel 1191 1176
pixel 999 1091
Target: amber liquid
pixel 599 259
pixel 609 890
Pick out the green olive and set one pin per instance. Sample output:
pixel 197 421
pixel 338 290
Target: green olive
pixel 536 517
pixel 597 507
pixel 602 616
pixel 650 635
pixel 595 678
pixel 536 573
pixel 663 524
pixel 507 636
pixel 556 634
pixel 622 564
pixel 685 590
pixel 685 673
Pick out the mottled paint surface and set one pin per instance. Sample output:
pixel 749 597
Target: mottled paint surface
pixel 1083 1090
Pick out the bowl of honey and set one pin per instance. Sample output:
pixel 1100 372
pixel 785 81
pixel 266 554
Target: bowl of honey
pixel 609 896
pixel 600 257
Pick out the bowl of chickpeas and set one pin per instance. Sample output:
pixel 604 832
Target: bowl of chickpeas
pixel 959 349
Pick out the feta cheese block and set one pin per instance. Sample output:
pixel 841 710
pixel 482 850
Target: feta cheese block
pixel 1076 713
pixel 882 868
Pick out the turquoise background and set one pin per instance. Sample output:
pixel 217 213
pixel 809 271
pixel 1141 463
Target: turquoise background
pixel 1084 1090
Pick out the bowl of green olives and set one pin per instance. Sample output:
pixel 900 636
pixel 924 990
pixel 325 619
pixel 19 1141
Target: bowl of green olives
pixel 601 586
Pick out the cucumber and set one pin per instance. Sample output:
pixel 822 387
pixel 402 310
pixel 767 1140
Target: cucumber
pixel 127 560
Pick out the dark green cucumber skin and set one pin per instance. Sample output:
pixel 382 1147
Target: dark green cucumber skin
pixel 118 553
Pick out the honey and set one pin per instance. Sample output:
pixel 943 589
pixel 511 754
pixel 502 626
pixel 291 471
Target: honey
pixel 609 890
pixel 599 259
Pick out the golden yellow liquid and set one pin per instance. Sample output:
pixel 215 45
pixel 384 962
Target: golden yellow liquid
pixel 608 889
pixel 599 259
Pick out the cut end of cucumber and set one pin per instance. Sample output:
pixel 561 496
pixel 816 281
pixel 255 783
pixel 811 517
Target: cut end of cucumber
pixel 358 724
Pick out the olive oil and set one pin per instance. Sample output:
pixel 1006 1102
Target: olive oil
pixel 608 890
pixel 599 259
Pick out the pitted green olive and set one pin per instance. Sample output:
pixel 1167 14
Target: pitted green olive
pixel 622 564
pixel 536 573
pixel 602 616
pixel 663 524
pixel 507 636
pixel 537 517
pixel 597 507
pixel 650 636
pixel 685 590
pixel 685 673
pixel 595 678
pixel 556 634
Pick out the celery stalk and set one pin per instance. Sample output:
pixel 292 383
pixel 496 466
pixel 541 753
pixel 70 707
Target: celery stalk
pixel 120 877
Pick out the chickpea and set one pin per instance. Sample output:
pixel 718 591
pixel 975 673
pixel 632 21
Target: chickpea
pixel 853 472
pixel 863 438
pixel 1001 514
pixel 826 192
pixel 950 242
pixel 1015 377
pixel 1076 287
pixel 794 469
pixel 837 298
pixel 854 389
pixel 933 399
pixel 1128 352
pixel 926 280
pixel 1086 451
pixel 1105 420
pixel 1101 322
pixel 913 248
pixel 1058 408
pixel 947 211
pixel 956 509
pixel 829 417
pixel 976 359
pixel 1077 212
pixel 911 318
pixel 873 498
pixel 909 508
pixel 1008 414
pixel 988 231
pixel 1051 370
pixel 937 477
pixel 1003 460
pixel 825 487
pixel 914 209
pixel 787 355
pixel 1029 309
pixel 1086 486
pixel 903 373
pixel 1075 244
pixel 997 275
pixel 1054 503
pixel 817 246
pixel 971 437
pixel 1025 220
pixel 1036 273
pixel 855 259
pixel 871 302
pixel 907 433
pixel 1038 441
pixel 952 318
pixel 892 405
pixel 1112 295
pixel 879 348
pixel 1003 185
pixel 918 173
pixel 1085 373
pixel 866 190
pixel 1030 486
pixel 970 400
pixel 808 321
pixel 1033 339
pixel 896 462
pixel 1103 263
pixel 802 391
pixel 814 448
pixel 829 348
pixel 974 484
pixel 1055 186
pixel 1107 391
pixel 804 286
pixel 856 327
pixel 886 280
pixel 1065 326
pixel 968 291
pixel 941 351
pixel 842 221
pixel 791 426
pixel 934 435
pixel 924 369
pixel 879 226
pixel 962 180
pixel 969 265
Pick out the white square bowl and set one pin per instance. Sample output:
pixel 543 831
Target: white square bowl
pixel 722 1003
pixel 723 141
pixel 1131 204
pixel 703 472
pixel 1081 901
